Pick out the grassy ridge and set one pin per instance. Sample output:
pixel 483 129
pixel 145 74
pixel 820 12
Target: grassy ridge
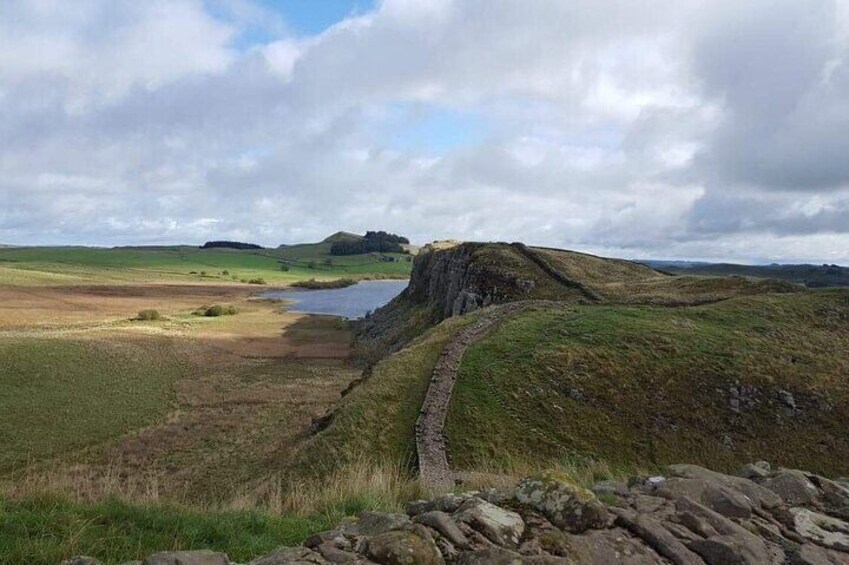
pixel 645 386
pixel 377 419
pixel 78 265
pixel 60 394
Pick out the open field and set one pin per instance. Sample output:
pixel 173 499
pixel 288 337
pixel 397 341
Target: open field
pixel 28 266
pixel 194 408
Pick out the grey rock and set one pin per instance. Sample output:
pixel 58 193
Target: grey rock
pixel 403 548
pixel 200 557
pixel 81 560
pixel 793 487
pixel 727 550
pixel 754 471
pixel 448 503
pixel 758 495
pixel 442 523
pixel 610 488
pixel 502 556
pixel 334 537
pixel 500 526
pixel 821 529
pixel 656 536
pixel 725 500
pixel 810 554
pixel 834 498
pixel 611 546
pixel 788 401
pixel 291 556
pixel 732 536
pixel 567 505
pixel 332 554
pixel 842 481
pixel 371 523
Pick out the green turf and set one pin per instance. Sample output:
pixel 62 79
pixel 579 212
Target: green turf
pixel 377 419
pixel 77 265
pixel 646 386
pixel 58 395
pixel 46 530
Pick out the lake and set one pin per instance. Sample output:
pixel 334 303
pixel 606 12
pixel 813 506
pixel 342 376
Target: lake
pixel 350 302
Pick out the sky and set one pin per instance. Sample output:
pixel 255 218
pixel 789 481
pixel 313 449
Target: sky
pixel 677 129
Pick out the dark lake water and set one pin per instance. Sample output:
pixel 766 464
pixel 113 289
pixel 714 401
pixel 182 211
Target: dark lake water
pixel 350 302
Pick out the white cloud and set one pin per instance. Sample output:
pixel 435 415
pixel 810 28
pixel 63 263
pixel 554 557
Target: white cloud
pixel 642 129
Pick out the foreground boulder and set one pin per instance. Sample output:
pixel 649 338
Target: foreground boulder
pixel 688 516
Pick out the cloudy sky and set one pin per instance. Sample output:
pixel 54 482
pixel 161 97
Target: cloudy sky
pixel 714 129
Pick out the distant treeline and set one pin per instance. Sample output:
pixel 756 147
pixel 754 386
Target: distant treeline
pixel 230 244
pixel 374 241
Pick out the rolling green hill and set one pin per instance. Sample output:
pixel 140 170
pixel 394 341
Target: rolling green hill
pixel 82 265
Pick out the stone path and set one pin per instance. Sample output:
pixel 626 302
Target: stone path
pixel 430 427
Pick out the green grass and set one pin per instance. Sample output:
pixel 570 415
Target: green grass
pixel 45 529
pixel 77 265
pixel 645 386
pixel 57 395
pixel 377 419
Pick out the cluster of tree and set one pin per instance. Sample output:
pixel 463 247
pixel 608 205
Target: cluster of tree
pixel 374 241
pixel 230 244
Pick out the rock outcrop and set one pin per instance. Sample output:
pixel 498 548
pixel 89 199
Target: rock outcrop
pixel 691 515
pixel 458 280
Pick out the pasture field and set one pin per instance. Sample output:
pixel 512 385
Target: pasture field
pixel 28 266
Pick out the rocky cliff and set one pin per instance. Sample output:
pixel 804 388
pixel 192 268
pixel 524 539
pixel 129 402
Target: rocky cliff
pixel 458 280
pixel 689 515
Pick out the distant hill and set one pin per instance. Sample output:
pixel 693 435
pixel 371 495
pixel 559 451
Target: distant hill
pixel 342 236
pixel 813 276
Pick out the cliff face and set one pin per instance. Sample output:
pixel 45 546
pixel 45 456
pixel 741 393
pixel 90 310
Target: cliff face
pixel 451 282
pixel 464 278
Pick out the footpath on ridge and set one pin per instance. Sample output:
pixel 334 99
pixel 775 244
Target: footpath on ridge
pixel 434 469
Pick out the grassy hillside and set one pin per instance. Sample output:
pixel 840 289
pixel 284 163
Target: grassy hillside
pixel 377 419
pixel 80 265
pixel 648 386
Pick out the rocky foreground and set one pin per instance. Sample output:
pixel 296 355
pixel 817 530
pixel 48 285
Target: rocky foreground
pixel 689 516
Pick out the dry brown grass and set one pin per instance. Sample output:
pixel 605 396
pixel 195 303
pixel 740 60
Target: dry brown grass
pixel 255 383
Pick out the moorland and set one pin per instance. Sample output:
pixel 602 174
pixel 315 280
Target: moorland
pixel 251 429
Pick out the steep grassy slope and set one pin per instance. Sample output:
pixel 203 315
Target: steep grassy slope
pixel 377 419
pixel 636 385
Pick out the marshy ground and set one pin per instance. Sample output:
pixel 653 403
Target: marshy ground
pixel 185 408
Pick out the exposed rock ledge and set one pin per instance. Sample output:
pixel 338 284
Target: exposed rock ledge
pixel 689 516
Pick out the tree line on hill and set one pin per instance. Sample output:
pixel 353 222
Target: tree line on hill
pixel 373 241
pixel 230 244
